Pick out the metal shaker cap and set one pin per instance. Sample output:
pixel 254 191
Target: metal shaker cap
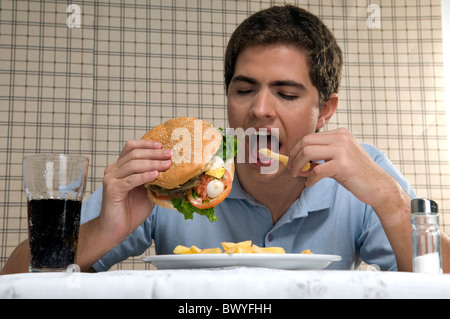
pixel 423 206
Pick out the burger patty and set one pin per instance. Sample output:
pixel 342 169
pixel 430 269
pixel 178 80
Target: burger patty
pixel 175 192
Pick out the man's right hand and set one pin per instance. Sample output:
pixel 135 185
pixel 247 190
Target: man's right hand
pixel 125 203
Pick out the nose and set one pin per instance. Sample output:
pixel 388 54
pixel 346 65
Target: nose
pixel 263 106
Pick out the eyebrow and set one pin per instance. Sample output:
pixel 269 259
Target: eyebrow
pixel 288 83
pixel 243 78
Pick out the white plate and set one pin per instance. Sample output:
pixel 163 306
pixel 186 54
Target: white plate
pixel 276 261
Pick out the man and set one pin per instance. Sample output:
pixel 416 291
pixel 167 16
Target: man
pixel 282 71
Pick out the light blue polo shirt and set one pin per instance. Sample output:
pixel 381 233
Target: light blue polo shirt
pixel 327 219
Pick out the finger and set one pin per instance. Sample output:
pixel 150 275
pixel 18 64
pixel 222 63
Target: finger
pixel 133 181
pixel 340 136
pixel 299 166
pixel 313 153
pixel 322 138
pixel 139 144
pixel 315 139
pixel 144 154
pixel 318 172
pixel 124 185
pixel 308 169
pixel 140 166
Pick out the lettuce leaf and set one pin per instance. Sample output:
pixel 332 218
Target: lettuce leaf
pixel 188 210
pixel 229 146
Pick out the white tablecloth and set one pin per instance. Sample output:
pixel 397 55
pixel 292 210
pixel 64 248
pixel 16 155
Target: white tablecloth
pixel 236 283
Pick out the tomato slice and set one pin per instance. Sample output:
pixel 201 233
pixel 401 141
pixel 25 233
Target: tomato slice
pixel 203 204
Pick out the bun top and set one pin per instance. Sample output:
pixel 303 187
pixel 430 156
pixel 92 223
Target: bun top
pixel 194 142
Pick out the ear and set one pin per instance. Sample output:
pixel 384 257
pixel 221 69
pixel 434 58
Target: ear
pixel 327 110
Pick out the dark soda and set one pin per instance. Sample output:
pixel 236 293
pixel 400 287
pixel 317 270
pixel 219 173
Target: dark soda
pixel 53 233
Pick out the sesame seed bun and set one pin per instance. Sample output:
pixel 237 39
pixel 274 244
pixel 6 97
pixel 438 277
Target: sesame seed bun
pixel 185 135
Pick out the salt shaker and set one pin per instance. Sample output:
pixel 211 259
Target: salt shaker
pixel 426 237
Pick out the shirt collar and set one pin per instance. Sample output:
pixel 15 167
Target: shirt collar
pixel 320 196
pixel 238 193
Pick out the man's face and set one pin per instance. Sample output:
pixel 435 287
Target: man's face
pixel 271 88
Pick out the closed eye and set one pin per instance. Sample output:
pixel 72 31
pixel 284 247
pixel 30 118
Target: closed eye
pixel 288 97
pixel 244 92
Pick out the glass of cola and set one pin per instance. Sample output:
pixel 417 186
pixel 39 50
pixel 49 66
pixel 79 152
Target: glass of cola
pixel 54 185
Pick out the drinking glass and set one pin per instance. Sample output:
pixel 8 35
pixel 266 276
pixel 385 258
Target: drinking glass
pixel 54 185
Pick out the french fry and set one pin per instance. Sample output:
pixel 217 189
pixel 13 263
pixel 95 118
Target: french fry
pixel 228 246
pixel 282 158
pixel 231 248
pixel 195 250
pixel 243 247
pixel 307 252
pixel 274 250
pixel 182 250
pixel 267 250
pixel 243 250
pixel 257 250
pixel 306 167
pixel 211 251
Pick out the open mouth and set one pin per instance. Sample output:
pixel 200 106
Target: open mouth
pixel 263 138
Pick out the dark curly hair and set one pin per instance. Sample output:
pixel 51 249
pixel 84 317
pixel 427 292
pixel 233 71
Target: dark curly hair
pixel 293 26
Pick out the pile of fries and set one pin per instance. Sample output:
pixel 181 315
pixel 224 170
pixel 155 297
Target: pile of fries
pixel 244 247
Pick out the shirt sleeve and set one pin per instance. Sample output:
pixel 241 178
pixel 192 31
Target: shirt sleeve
pixel 375 248
pixel 133 245
pixel 91 207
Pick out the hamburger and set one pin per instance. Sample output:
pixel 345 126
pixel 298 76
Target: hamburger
pixel 202 169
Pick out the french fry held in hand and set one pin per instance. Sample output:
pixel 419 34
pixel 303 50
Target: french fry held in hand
pixel 244 247
pixel 279 157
